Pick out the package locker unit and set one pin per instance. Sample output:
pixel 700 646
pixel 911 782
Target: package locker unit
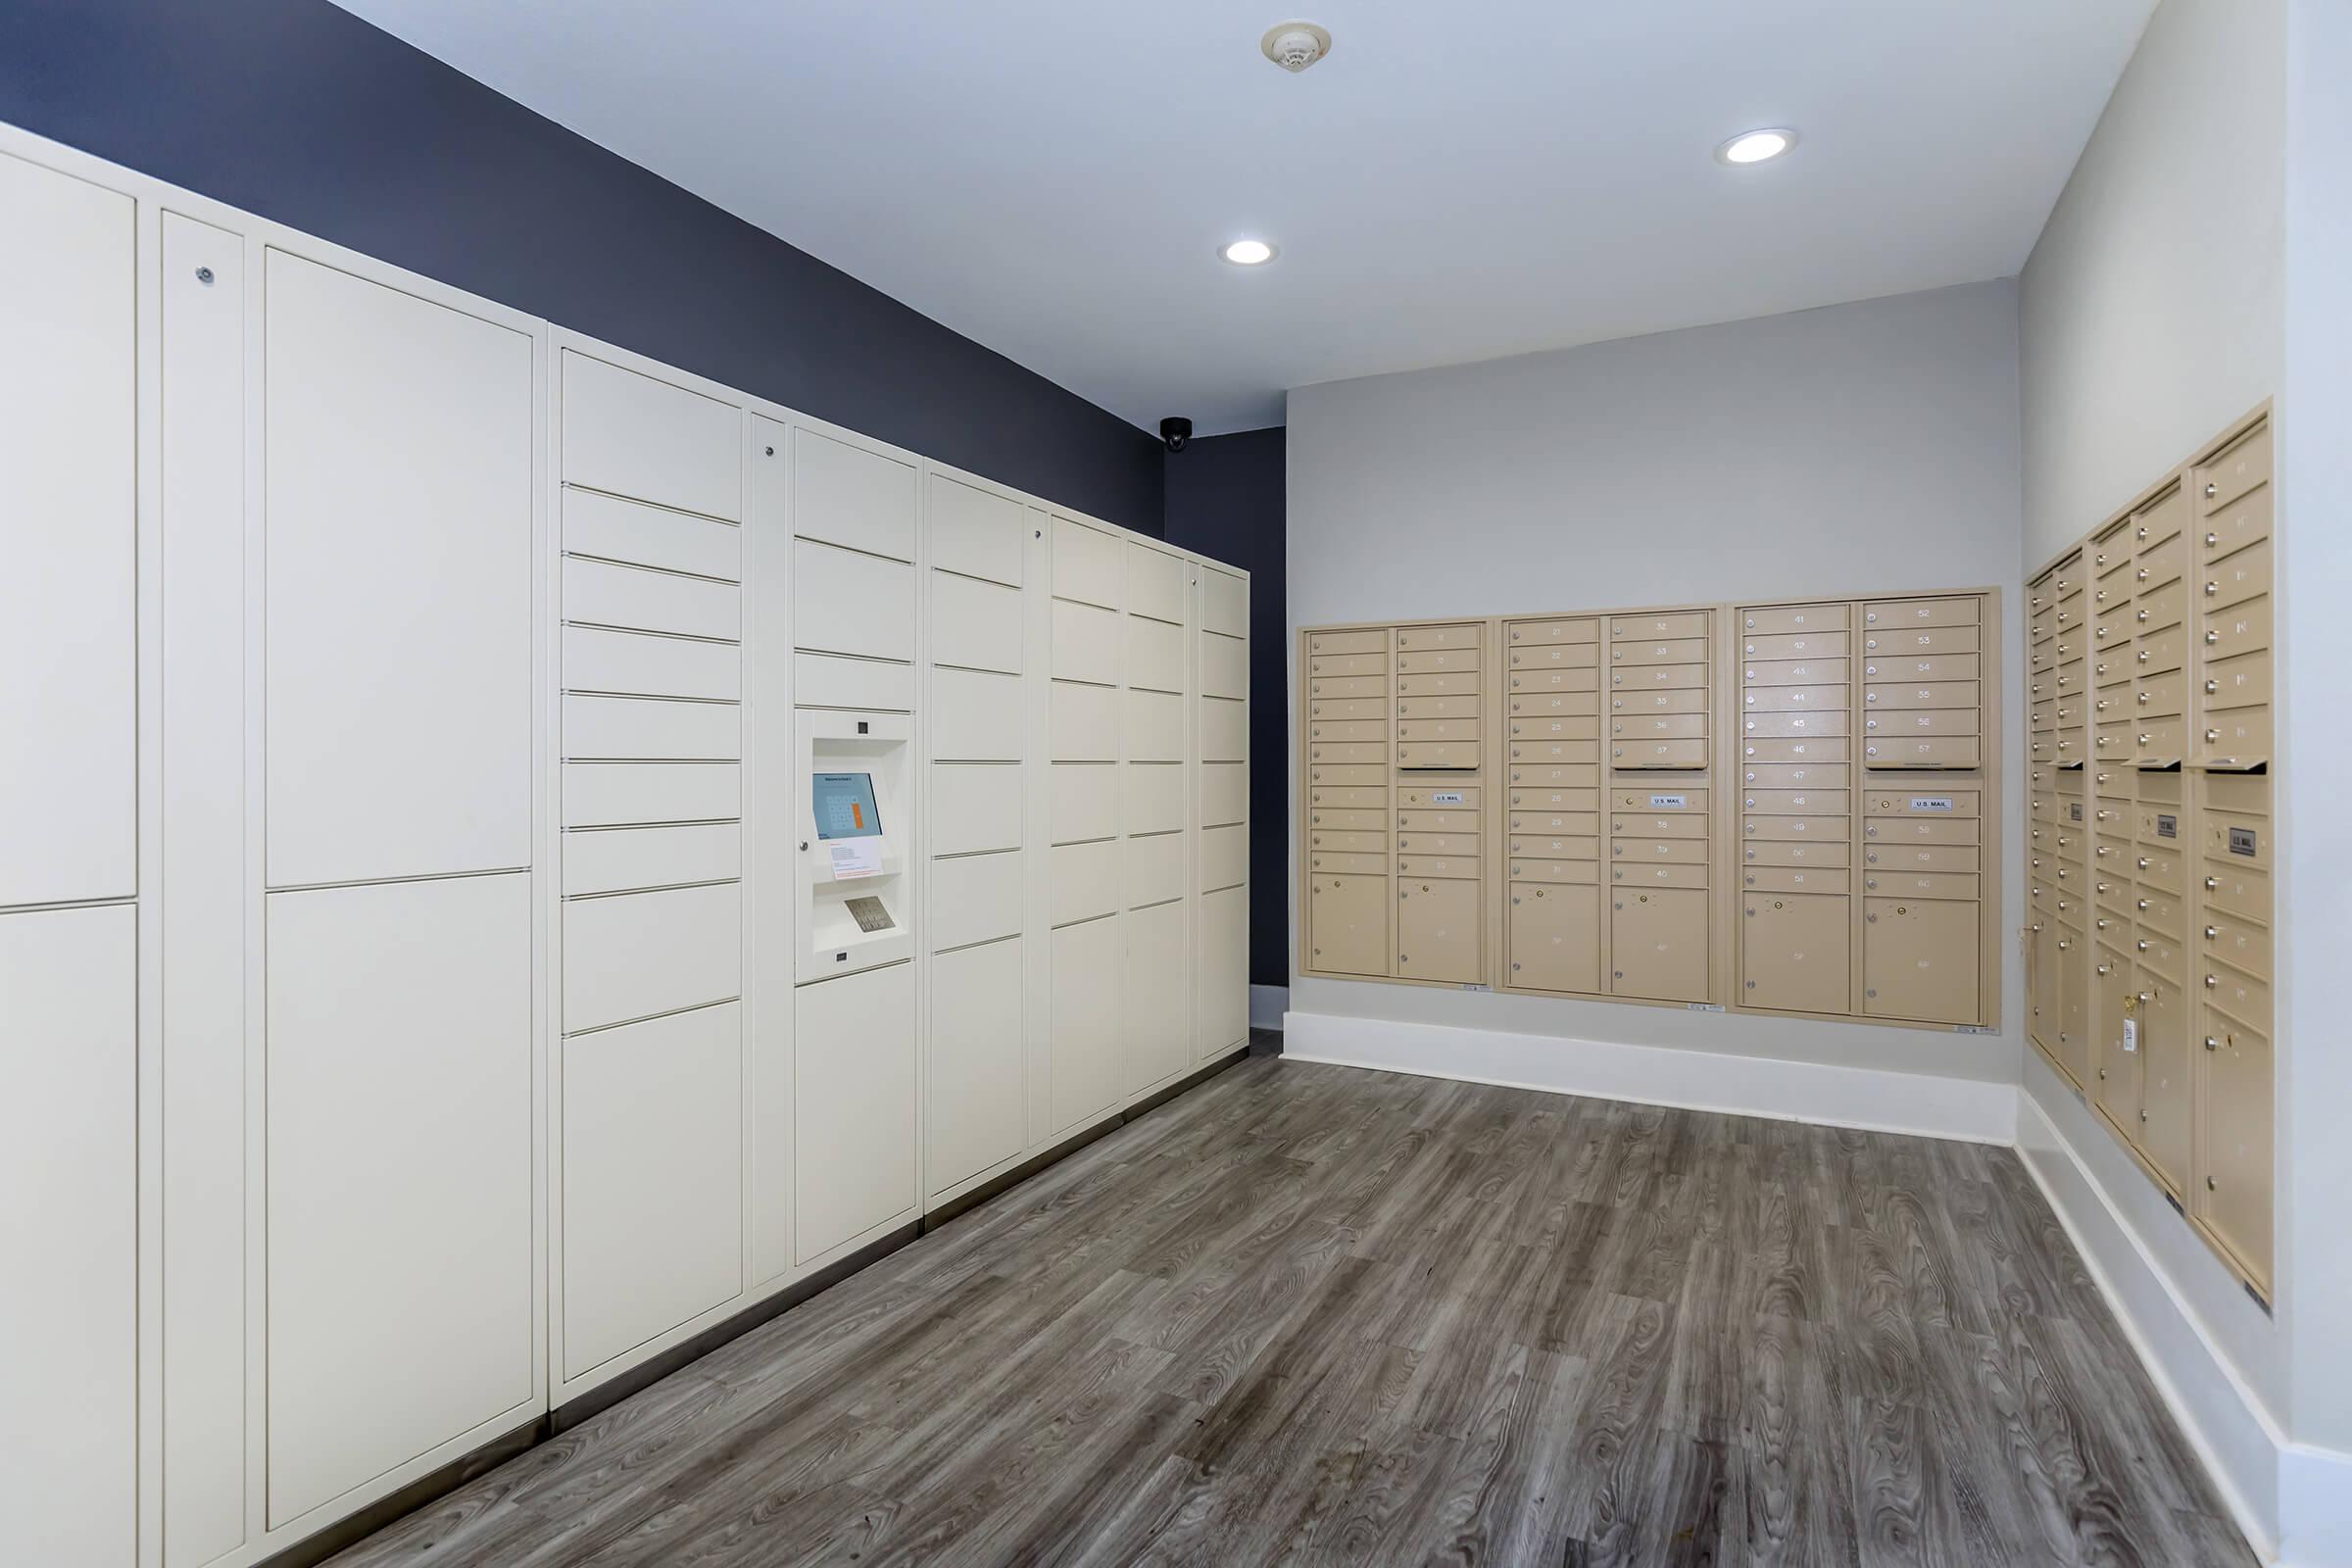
pixel 1831 851
pixel 2148 939
pixel 435 921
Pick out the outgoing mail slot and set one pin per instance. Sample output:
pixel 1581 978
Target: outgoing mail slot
pixel 1891 614
pixel 1348 641
pixel 1792 879
pixel 1913 641
pixel 1690 701
pixel 1372 843
pixel 1437 660
pixel 1421 639
pixel 1346 818
pixel 1794 699
pixel 2240 682
pixel 1661 825
pixel 1446 844
pixel 2236 739
pixel 1653 800
pixel 1795 671
pixel 1535 632
pixel 1647 874
pixel 1672 651
pixel 1659 851
pixel 1810 829
pixel 1347 665
pixel 1443 729
pixel 1791 618
pixel 1793 852
pixel 1812 748
pixel 2239 468
pixel 1365 686
pixel 2239 943
pixel 1795 646
pixel 1658 628
pixel 1555 800
pixel 1585 873
pixel 1438 707
pixel 1794 802
pixel 1906 723
pixel 1919 884
pixel 1921 858
pixel 1790 726
pixel 1914 753
pixel 1661 727
pixel 1349 796
pixel 1440 821
pixel 1438 753
pixel 1925 668
pixel 1652 677
pixel 2236 579
pixel 2244 521
pixel 1339 729
pixel 1557 655
pixel 1659 753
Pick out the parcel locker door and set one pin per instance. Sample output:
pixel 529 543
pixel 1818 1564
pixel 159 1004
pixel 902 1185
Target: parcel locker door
pixel 2114 1048
pixel 1437 930
pixel 1919 959
pixel 1347 924
pixel 1658 942
pixel 1794 950
pixel 1556 937
pixel 2165 1117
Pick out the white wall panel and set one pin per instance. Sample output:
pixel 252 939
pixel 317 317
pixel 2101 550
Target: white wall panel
pixel 68 590
pixel 975 533
pixel 399 605
pixel 652 1179
pixel 639 954
pixel 69 1164
pixel 600 594
pixel 636 436
pixel 975 1086
pixel 847 495
pixel 400 1175
pixel 614 794
pixel 975 624
pixel 653 728
pixel 846 602
pixel 615 529
pixel 1089 1069
pixel 976 806
pixel 1086 802
pixel 854 1106
pixel 1155 1009
pixel 977 897
pixel 976 717
pixel 598 660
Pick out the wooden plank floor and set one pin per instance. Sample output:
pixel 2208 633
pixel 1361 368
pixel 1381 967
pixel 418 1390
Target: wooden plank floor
pixel 1312 1314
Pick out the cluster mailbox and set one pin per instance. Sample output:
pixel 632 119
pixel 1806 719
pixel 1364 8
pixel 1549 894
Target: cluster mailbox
pixel 1793 817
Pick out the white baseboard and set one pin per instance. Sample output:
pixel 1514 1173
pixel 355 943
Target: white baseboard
pixel 2242 1448
pixel 1964 1109
pixel 1267 1004
pixel 2314 1508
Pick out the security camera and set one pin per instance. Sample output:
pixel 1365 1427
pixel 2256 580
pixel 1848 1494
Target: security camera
pixel 1175 432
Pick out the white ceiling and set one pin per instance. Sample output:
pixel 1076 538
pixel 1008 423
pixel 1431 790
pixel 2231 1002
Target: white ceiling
pixel 1457 182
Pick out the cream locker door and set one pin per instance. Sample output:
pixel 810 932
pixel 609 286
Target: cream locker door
pixel 399 1260
pixel 1221 1012
pixel 1091 808
pixel 854 1107
pixel 399 455
pixel 67 705
pixel 69 1164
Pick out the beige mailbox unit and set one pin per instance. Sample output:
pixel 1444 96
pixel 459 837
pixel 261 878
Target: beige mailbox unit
pixel 2151 847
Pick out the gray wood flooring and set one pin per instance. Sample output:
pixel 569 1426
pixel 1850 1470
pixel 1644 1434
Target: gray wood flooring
pixel 1307 1313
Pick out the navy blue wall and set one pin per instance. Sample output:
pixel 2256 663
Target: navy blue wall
pixel 304 113
pixel 1225 500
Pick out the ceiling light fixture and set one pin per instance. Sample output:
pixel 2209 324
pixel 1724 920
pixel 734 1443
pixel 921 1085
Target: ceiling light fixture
pixel 1248 253
pixel 1756 146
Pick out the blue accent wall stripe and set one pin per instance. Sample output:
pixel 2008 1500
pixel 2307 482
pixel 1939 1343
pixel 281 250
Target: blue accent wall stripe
pixel 303 113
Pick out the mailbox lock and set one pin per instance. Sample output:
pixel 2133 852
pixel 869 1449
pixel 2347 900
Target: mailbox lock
pixel 2212 735
pixel 2211 932
pixel 2212 539
pixel 2212 588
pixel 2210 492
pixel 2212 1044
pixel 2212 882
pixel 2212 981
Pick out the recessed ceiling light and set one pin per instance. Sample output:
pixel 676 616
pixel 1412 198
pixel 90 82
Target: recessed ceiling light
pixel 1248 253
pixel 1756 146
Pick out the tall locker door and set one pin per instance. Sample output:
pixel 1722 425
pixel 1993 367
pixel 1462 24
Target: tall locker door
pixel 973 1100
pixel 69 1162
pixel 1221 1018
pixel 1085 1022
pixel 854 1107
pixel 1087 819
pixel 68 708
pixel 399 445
pixel 400 1122
pixel 1156 997
pixel 1159 748
pixel 2114 1048
pixel 2166 1116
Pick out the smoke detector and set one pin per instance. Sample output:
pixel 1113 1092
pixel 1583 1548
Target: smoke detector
pixel 1295 45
